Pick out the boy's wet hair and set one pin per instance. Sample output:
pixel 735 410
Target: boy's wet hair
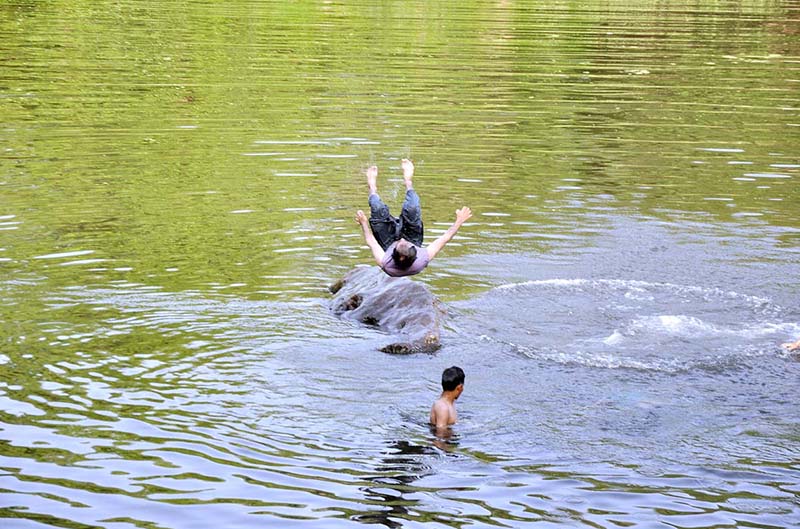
pixel 403 258
pixel 452 377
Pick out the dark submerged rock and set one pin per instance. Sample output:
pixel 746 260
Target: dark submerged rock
pixel 396 305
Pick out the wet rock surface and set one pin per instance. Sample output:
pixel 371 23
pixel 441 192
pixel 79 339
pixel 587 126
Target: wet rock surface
pixel 399 306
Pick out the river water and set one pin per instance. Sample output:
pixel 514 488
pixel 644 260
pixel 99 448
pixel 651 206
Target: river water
pixel 178 182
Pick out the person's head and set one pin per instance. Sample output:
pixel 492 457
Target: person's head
pixel 453 379
pixel 404 254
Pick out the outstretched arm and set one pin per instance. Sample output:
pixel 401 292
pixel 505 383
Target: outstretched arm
pixel 462 215
pixel 377 251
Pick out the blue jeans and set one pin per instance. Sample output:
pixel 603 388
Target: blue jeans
pixel 388 229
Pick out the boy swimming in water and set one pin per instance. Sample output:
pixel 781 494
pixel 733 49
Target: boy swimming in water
pixel 443 411
pixel 396 243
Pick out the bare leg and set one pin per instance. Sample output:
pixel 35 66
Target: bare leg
pixel 384 226
pixel 372 180
pixel 408 172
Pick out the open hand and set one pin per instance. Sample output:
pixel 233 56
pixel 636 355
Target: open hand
pixel 361 218
pixel 463 215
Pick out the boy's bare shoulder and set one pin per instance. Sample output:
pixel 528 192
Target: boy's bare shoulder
pixel 443 413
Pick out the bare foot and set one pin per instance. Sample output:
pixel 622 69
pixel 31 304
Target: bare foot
pixel 372 179
pixel 408 172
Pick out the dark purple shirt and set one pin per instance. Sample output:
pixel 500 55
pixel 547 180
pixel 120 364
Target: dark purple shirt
pixel 388 266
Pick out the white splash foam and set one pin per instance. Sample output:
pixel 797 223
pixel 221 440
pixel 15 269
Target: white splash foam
pixel 635 286
pixel 614 339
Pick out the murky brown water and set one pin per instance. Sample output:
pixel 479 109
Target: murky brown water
pixel 177 189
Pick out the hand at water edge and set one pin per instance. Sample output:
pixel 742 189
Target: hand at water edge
pixel 791 346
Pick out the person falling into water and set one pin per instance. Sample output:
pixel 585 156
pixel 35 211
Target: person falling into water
pixel 396 243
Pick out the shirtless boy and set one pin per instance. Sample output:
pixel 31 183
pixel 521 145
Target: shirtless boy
pixel 443 411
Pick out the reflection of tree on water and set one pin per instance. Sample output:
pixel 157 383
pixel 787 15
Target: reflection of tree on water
pixel 403 464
